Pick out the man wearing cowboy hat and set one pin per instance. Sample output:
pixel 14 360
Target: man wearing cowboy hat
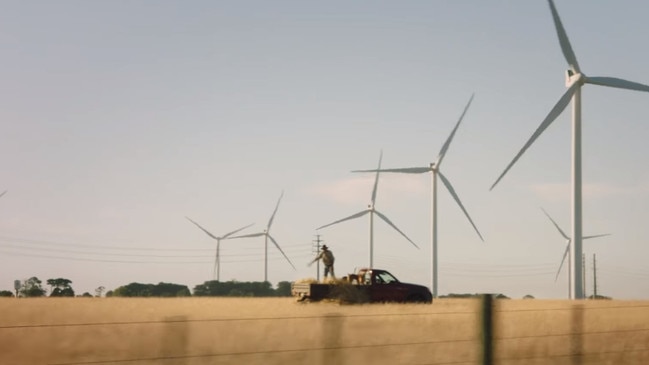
pixel 328 261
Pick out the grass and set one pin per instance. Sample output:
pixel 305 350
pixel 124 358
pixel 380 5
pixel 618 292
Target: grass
pixel 192 331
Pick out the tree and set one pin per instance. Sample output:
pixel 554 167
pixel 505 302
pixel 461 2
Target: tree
pixel 6 293
pixel 86 295
pixel 283 289
pixel 134 290
pixel 99 291
pixel 31 288
pixel 170 290
pixel 234 288
pixel 60 287
pixel 151 290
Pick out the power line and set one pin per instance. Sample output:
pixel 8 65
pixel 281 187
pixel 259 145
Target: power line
pixel 105 247
pixel 44 242
pixel 57 250
pixel 260 259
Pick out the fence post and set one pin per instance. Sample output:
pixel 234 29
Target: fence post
pixel 174 340
pixel 332 328
pixel 577 331
pixel 487 329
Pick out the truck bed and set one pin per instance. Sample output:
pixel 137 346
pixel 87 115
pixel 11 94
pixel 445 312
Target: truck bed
pixel 320 291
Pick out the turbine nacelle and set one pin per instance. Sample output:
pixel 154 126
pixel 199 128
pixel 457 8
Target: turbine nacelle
pixel 573 77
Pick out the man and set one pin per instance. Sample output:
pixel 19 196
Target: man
pixel 328 261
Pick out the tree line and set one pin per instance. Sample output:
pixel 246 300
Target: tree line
pixel 61 287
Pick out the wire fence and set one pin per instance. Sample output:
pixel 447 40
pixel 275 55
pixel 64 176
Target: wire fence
pixel 488 335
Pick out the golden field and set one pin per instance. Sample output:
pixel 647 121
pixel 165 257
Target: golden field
pixel 192 331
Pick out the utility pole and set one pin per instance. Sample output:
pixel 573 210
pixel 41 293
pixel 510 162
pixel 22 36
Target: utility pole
pixel 317 242
pixel 594 278
pixel 583 274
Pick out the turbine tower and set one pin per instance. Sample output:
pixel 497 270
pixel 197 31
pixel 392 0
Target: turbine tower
pixel 216 272
pixel 434 169
pixel 565 253
pixel 267 236
pixel 575 79
pixel 371 210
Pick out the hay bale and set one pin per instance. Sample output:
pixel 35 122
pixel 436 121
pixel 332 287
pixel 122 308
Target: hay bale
pixel 306 281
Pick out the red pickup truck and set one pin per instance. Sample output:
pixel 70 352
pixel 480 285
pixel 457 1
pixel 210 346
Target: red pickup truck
pixel 371 285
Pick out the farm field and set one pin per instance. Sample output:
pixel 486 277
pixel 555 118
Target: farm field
pixel 281 331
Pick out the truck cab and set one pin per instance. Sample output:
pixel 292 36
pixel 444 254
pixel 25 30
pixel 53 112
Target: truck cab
pixel 382 286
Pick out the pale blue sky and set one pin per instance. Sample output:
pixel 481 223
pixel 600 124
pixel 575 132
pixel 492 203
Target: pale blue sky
pixel 120 118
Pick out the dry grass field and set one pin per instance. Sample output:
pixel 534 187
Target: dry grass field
pixel 193 331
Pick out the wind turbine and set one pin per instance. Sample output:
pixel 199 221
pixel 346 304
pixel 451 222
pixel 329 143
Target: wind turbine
pixel 267 236
pixel 567 243
pixel 433 168
pixel 217 260
pixel 371 210
pixel 3 193
pixel 575 79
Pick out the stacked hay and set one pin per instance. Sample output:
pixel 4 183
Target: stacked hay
pixel 342 290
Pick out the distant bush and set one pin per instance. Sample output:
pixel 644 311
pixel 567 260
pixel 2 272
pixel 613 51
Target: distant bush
pixel 235 288
pixel 151 290
pixel 477 295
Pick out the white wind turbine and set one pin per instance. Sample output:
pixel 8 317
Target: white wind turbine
pixel 216 273
pixel 575 79
pixel 434 169
pixel 3 193
pixel 568 244
pixel 267 236
pixel 371 210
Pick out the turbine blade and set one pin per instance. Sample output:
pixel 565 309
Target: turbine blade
pixel 554 113
pixel 617 83
pixel 359 214
pixel 3 193
pixel 393 226
pixel 442 152
pixel 280 250
pixel 450 189
pixel 565 254
pixel 556 225
pixel 270 221
pixel 406 170
pixel 566 48
pixel 248 235
pixel 202 229
pixel 376 180
pixel 233 232
pixel 595 236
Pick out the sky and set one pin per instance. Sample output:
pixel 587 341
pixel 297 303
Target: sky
pixel 120 118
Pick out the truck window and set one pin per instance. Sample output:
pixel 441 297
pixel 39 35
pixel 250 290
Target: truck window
pixel 385 278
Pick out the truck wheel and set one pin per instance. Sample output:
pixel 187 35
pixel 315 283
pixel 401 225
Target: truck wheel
pixel 301 298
